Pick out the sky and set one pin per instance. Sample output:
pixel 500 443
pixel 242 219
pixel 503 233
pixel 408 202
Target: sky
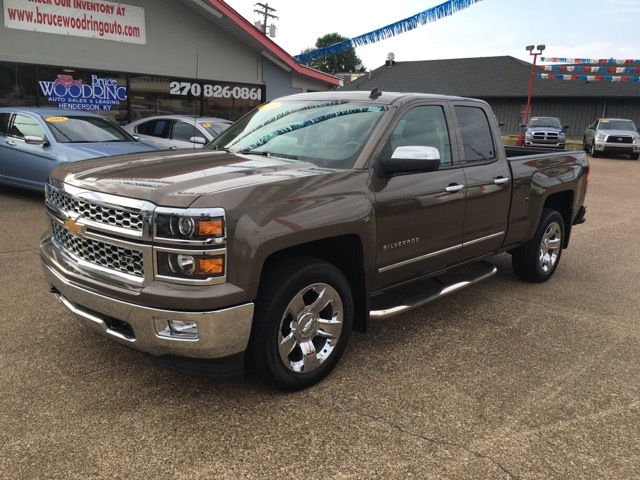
pixel 568 28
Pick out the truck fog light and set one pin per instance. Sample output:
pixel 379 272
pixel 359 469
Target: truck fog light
pixel 177 329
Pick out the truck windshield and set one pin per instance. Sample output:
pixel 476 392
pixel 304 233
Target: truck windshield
pixel 326 133
pixel 617 125
pixel 80 129
pixel 545 122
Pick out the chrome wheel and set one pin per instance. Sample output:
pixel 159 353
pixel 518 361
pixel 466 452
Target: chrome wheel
pixel 310 328
pixel 550 247
pixel 302 322
pixel 537 260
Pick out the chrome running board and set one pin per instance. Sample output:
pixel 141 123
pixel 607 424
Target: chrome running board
pixel 404 299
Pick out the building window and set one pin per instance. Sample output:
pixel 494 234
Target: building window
pixel 17 85
pixel 104 93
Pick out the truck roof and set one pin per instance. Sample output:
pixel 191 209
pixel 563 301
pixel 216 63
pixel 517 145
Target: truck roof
pixel 369 96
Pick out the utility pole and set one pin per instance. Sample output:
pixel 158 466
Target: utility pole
pixel 266 13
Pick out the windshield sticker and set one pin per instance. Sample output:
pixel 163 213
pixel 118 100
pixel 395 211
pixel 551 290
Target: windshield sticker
pixel 206 125
pixel 56 119
pixel 269 106
pixel 605 121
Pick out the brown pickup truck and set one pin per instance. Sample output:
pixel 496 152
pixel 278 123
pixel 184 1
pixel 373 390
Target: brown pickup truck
pixel 304 220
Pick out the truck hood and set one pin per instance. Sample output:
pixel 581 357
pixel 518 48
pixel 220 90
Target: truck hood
pixel 544 129
pixel 180 177
pixel 622 133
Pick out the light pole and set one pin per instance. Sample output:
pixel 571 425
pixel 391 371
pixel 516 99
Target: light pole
pixel 533 72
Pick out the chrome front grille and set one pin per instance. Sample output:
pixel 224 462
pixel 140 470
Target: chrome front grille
pixel 545 136
pixel 101 254
pixel 104 214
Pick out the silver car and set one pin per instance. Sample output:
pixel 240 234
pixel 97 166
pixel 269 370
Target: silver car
pixel 168 132
pixel 612 135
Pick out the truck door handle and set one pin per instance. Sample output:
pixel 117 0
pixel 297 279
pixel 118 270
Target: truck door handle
pixel 500 180
pixel 454 188
pixel 10 142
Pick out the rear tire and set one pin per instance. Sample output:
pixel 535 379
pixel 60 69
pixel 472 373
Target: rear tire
pixel 537 260
pixel 634 156
pixel 302 323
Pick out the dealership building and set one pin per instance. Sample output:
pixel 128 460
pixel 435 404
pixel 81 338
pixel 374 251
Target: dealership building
pixel 142 58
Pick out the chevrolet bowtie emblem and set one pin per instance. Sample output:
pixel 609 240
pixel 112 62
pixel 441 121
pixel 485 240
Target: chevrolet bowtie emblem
pixel 73 226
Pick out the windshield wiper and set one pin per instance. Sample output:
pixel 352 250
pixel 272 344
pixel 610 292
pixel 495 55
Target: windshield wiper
pixel 267 154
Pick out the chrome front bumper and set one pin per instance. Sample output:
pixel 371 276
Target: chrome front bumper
pixel 220 333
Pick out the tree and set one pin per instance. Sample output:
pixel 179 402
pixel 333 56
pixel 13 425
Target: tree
pixel 343 62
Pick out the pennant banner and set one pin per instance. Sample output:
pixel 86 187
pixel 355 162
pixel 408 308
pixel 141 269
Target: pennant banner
pixel 589 78
pixel 431 15
pixel 579 68
pixel 601 61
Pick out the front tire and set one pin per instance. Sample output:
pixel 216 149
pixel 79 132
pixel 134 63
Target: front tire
pixel 634 156
pixel 302 323
pixel 594 152
pixel 537 260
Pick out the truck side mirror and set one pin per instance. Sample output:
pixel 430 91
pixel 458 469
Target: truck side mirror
pixel 409 159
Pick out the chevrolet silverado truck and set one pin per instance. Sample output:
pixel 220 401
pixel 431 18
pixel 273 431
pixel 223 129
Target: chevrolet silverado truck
pixel 306 219
pixel 546 132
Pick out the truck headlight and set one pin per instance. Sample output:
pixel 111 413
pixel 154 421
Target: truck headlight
pixel 562 136
pixel 190 225
pixel 601 137
pixel 189 245
pixel 528 136
pixel 189 266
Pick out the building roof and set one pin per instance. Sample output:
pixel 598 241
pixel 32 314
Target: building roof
pixel 227 19
pixel 484 77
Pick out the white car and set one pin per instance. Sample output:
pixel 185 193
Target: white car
pixel 168 132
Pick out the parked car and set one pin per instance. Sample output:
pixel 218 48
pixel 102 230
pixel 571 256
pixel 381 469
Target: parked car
pixel 177 131
pixel 612 135
pixel 35 140
pixel 544 132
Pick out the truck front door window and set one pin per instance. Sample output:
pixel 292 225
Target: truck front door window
pixel 424 126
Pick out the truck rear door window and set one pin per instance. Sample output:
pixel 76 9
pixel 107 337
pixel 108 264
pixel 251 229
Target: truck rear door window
pixel 476 134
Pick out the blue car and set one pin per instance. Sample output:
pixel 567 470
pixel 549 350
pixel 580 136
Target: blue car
pixel 35 140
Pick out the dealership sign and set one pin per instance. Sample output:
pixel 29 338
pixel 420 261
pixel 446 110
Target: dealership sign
pixel 72 94
pixel 80 18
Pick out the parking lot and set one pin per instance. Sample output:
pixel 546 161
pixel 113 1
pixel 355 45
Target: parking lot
pixel 502 380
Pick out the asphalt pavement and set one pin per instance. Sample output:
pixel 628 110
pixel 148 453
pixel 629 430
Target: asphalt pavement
pixel 503 380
